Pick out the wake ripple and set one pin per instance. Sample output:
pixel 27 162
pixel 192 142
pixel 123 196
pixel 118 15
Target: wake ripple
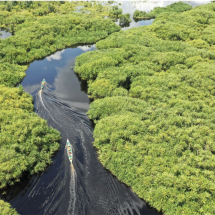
pixel 81 188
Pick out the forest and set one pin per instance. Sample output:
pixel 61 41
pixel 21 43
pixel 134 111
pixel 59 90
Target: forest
pixel 175 7
pixel 6 209
pixel 153 104
pixel 39 29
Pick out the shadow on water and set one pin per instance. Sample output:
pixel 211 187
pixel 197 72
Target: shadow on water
pixel 83 84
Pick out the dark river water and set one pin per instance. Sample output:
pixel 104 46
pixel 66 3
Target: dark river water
pixel 83 187
pixel 56 69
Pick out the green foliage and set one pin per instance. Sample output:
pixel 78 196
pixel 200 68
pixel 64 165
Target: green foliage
pixel 175 7
pixel 28 140
pixel 88 4
pixel 11 98
pixel 6 209
pixel 115 12
pixel 124 19
pixel 102 108
pixel 198 43
pixel 166 164
pixel 14 13
pixel 27 143
pixel 11 74
pixel 8 6
pixel 52 8
pixel 68 30
pixel 153 90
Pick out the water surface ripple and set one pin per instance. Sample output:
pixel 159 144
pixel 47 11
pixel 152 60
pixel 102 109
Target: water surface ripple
pixel 82 188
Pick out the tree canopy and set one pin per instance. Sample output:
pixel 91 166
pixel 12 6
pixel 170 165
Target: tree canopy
pixel 27 143
pixel 6 209
pixel 153 92
pixel 175 7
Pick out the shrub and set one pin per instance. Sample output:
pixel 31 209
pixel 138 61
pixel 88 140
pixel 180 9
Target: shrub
pixel 158 138
pixel 175 7
pixel 27 143
pixel 124 19
pixel 6 209
pixel 115 12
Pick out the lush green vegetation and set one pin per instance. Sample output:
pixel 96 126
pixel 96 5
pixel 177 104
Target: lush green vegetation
pixel 27 143
pixel 41 28
pixel 175 7
pixel 153 89
pixel 34 40
pixel 28 11
pixel 6 209
pixel 124 19
pixel 115 12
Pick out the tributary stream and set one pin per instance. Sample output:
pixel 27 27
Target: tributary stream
pixel 84 187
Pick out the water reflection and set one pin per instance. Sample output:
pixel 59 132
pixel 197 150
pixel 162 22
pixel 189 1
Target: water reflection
pixel 147 6
pixel 135 23
pixel 55 56
pixel 56 69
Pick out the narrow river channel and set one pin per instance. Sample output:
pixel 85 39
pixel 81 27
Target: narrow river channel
pixel 84 187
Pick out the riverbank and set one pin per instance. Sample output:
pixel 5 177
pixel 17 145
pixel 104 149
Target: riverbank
pixel 35 54
pixel 27 142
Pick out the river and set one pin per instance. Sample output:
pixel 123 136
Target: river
pixel 83 187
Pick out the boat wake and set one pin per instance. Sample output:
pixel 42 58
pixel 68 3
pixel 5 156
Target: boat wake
pixel 80 187
pixel 72 191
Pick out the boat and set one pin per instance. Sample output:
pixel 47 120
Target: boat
pixel 69 150
pixel 43 83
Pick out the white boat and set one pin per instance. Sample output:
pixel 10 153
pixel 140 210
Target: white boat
pixel 69 150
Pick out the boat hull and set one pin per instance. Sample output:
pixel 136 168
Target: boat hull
pixel 43 84
pixel 69 151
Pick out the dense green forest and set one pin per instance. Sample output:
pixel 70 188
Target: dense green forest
pixel 6 209
pixel 175 7
pixel 153 89
pixel 41 28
